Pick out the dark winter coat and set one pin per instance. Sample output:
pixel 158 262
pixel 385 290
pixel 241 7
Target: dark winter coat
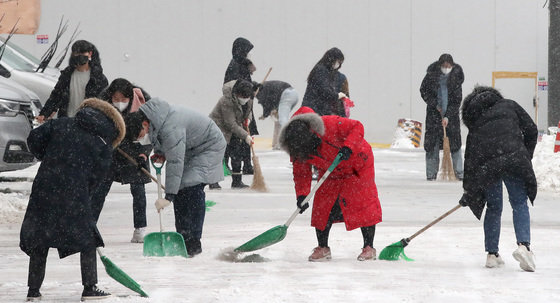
pixel 320 94
pixel 501 141
pixel 238 68
pixel 229 115
pixel 352 182
pixel 121 169
pixel 269 95
pixel 75 154
pixel 429 92
pixel 340 84
pixel 60 96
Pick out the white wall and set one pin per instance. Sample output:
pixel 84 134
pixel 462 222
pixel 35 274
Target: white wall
pixel 178 50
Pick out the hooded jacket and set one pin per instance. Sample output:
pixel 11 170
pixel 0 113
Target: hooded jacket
pixel 229 115
pixel 429 92
pixel 501 141
pixel 75 155
pixel 192 143
pixel 352 182
pixel 238 67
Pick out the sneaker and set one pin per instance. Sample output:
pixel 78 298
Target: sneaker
pixel 525 257
pixel 138 235
pixel 494 260
pixel 320 254
pixel 94 293
pixel 33 295
pixel 214 186
pixel 368 253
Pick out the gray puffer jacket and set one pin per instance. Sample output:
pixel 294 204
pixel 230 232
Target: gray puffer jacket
pixel 228 114
pixel 192 144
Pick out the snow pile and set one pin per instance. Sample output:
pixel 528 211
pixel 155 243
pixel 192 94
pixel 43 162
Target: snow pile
pixel 12 207
pixel 546 164
pixel 404 134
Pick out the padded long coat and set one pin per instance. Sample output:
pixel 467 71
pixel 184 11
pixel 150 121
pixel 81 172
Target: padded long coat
pixel 352 182
pixel 75 154
pixel 191 142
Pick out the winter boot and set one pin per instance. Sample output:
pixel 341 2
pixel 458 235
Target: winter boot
pixel 248 168
pixel 194 247
pixel 525 258
pixel 236 181
pixel 138 235
pixel 368 253
pixel 94 293
pixel 33 295
pixel 320 254
pixel 494 260
pixel 214 186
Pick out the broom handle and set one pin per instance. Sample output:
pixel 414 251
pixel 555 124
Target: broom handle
pixel 434 222
pixel 129 158
pixel 315 188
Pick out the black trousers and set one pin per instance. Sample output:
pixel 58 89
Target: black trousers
pixel 235 150
pixel 368 232
pixel 190 210
pixel 138 192
pixel 38 264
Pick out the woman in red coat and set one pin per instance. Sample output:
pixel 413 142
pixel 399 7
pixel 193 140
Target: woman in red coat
pixel 349 194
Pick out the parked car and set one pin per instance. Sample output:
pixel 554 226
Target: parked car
pixel 17 114
pixel 20 66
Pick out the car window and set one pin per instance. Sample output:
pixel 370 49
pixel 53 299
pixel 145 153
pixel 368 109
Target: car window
pixel 16 58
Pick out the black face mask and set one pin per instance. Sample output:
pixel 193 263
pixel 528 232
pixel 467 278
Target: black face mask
pixel 79 60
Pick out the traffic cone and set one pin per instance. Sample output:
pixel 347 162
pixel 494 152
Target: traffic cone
pixel 557 141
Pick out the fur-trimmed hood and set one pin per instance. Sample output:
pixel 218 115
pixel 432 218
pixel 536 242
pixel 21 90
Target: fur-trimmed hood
pixel 103 125
pixel 476 103
pixel 305 114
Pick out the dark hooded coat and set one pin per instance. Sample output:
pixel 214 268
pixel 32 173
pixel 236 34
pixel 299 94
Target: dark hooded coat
pixel 75 154
pixel 429 92
pixel 501 141
pixel 60 96
pixel 320 94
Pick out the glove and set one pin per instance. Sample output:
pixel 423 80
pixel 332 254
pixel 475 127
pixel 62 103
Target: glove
pixel 341 95
pixel 464 200
pixel 256 86
pixel 249 140
pixel 141 163
pixel 161 204
pixel 346 152
pixel 157 158
pixel 302 207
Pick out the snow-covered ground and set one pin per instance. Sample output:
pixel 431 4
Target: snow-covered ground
pixel 449 257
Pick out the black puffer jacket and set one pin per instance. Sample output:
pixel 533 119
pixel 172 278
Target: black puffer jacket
pixel 75 154
pixel 320 94
pixel 269 95
pixel 238 67
pixel 429 92
pixel 60 96
pixel 501 141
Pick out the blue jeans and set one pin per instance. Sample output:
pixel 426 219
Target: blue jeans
pixel 432 163
pixel 492 220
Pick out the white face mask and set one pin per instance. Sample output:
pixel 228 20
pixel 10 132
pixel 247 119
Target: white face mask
pixel 243 101
pixel 446 70
pixel 121 106
pixel 336 65
pixel 145 140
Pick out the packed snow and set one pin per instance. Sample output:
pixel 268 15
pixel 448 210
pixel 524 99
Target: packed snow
pixel 449 257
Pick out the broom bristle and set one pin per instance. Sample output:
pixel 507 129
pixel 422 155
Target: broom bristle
pixel 446 172
pixel 258 179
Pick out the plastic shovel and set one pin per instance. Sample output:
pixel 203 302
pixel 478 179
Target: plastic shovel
pixel 278 233
pixel 163 244
pixel 119 275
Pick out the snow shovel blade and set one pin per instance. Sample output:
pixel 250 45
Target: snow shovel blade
pixel 269 237
pixel 120 276
pixel 395 251
pixel 164 244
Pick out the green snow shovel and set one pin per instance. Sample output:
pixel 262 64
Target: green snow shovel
pixel 163 244
pixel 119 275
pixel 278 233
pixel 395 251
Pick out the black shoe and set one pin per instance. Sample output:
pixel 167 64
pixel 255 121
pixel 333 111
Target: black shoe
pixel 236 181
pixel 33 295
pixel 94 293
pixel 194 247
pixel 431 179
pixel 214 186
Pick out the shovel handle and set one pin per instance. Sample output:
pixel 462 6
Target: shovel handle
pixel 433 222
pixel 135 163
pixel 315 188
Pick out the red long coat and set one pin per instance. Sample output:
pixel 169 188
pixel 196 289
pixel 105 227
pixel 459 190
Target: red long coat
pixel 352 181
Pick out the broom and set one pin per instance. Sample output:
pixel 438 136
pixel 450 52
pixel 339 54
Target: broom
pixel 446 172
pixel 258 183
